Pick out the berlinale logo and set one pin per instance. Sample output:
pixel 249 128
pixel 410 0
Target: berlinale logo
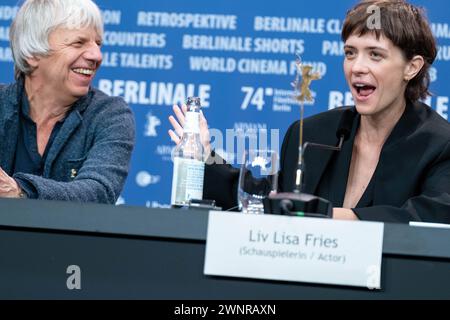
pixel 150 126
pixel 144 179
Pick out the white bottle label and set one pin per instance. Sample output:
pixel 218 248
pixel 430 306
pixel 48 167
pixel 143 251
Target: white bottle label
pixel 187 180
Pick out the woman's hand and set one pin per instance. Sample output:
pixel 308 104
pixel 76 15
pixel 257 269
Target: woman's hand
pixel 178 124
pixel 344 214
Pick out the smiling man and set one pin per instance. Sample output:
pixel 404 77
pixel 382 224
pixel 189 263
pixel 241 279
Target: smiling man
pixel 61 139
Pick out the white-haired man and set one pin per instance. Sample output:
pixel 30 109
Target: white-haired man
pixel 61 139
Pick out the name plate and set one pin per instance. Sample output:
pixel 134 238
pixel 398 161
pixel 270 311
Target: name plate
pixel 287 248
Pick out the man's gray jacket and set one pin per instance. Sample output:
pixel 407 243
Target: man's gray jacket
pixel 88 160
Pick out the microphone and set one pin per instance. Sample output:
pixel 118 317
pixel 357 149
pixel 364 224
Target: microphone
pixel 345 125
pixel 300 204
pixel 342 133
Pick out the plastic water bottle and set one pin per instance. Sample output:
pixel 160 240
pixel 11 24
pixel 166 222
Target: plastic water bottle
pixel 188 159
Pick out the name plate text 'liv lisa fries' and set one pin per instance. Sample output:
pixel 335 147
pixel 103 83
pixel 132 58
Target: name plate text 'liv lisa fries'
pixel 287 248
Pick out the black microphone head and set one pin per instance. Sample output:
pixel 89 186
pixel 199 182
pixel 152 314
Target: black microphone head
pixel 345 124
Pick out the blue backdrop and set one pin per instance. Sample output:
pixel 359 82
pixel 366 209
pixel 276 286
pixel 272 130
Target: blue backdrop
pixel 236 55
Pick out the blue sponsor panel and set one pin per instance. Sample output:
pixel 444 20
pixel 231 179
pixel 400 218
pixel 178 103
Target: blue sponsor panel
pixel 237 56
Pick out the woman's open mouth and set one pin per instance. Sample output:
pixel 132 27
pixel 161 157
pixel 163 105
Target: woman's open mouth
pixel 363 90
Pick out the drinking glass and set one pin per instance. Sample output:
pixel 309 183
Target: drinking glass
pixel 258 177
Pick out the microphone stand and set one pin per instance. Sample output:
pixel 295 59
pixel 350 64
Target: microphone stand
pixel 297 203
pixel 301 152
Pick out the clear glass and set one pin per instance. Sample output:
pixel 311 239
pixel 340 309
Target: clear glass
pixel 258 177
pixel 188 158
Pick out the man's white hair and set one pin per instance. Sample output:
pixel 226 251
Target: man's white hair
pixel 35 21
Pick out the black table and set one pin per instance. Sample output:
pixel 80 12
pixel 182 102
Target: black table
pixel 141 253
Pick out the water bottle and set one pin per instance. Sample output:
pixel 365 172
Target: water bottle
pixel 188 159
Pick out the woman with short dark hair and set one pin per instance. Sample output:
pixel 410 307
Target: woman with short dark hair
pixel 395 165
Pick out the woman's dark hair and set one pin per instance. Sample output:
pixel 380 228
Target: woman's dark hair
pixel 408 29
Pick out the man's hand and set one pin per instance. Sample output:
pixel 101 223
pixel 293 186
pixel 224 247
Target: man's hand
pixel 178 125
pixel 8 186
pixel 344 214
